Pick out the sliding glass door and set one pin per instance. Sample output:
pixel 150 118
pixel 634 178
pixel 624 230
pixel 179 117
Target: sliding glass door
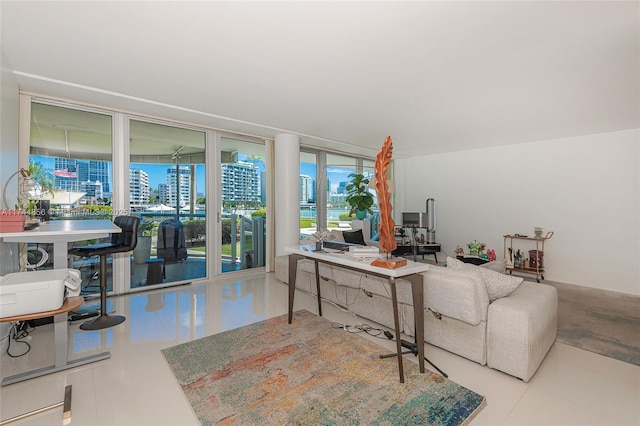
pixel 167 190
pixel 159 176
pixel 73 148
pixel 243 200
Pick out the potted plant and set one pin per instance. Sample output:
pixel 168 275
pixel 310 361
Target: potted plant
pixel 142 251
pixel 358 196
pixel 402 233
pixel 36 183
pixel 40 205
pixel 476 248
pixel 538 231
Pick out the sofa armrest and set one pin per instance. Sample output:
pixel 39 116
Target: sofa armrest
pixel 456 294
pixel 522 328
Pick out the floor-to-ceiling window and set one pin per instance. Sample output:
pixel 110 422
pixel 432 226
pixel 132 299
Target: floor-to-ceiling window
pixel 73 147
pixel 337 169
pixel 166 183
pixel 167 190
pixel 105 163
pixel 243 197
pixel 309 193
pixel 324 177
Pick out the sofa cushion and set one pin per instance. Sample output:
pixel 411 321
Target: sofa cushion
pixel 497 265
pixel 498 285
pixel 354 237
pixel 458 294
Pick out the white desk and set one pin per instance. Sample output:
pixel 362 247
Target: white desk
pixel 61 334
pixel 62 232
pixel 412 271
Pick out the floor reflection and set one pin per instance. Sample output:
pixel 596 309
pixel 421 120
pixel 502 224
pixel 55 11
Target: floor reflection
pixel 178 313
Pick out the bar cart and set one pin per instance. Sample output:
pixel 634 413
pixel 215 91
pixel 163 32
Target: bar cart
pixel 534 265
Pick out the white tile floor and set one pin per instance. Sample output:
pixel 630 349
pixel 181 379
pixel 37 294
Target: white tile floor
pixel 135 386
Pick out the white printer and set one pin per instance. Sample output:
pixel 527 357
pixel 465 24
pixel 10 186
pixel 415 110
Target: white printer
pixel 23 293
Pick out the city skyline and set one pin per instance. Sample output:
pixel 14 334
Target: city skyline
pixel 334 174
pixel 157 173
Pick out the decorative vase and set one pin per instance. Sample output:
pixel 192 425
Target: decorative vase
pixel 361 214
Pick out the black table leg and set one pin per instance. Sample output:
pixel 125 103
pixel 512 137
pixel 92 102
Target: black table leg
pixel 293 266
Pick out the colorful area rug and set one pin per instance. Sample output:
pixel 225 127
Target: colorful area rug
pixel 600 321
pixel 310 373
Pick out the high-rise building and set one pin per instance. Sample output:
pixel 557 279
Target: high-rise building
pixel 163 193
pixel 240 182
pixel 314 191
pixel 93 190
pixel 182 185
pixel 304 188
pixel 139 190
pixel 72 174
pixel 263 186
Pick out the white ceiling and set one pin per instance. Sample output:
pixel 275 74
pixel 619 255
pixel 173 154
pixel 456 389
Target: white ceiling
pixel 436 76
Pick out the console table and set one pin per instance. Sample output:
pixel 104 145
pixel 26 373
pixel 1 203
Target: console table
pixel 412 272
pixel 61 336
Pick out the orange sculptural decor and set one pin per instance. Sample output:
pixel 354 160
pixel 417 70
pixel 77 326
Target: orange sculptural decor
pixel 387 237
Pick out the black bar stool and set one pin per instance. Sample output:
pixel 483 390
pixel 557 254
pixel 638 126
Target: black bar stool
pixel 120 243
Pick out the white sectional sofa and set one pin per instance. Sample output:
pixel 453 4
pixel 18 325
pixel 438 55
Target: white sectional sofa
pixel 511 334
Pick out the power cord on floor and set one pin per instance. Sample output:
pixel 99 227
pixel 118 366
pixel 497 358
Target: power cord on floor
pixel 19 331
pixel 360 328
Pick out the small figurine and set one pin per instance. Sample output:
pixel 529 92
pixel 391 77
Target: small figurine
pixel 458 251
pixel 492 255
pixel 519 259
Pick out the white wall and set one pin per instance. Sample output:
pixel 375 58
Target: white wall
pixel 286 197
pixel 586 189
pixel 8 160
pixel 9 100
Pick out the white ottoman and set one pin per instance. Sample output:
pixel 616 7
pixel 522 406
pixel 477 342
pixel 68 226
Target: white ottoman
pixel 521 329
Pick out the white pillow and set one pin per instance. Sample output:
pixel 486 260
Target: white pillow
pixel 498 285
pixel 496 265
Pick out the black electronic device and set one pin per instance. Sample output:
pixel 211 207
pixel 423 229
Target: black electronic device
pixel 417 220
pixel 337 245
